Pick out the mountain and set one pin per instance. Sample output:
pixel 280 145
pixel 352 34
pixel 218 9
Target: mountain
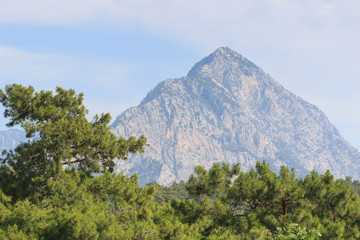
pixel 9 139
pixel 228 109
pixel 225 109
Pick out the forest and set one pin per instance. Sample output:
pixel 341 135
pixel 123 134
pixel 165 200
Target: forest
pixel 60 185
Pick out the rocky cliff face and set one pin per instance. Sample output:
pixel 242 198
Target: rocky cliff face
pixel 228 109
pixel 9 139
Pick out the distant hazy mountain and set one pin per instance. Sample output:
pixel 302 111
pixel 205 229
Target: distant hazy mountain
pixel 228 109
pixel 9 139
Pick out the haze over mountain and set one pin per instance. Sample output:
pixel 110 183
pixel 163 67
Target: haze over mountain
pixel 228 109
pixel 9 139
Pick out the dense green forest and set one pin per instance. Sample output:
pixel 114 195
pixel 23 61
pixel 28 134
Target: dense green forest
pixel 60 185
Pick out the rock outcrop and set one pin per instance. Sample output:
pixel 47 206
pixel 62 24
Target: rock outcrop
pixel 228 109
pixel 9 139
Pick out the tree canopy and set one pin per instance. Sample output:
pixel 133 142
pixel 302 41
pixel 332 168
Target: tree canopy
pixel 48 189
pixel 60 137
pixel 263 204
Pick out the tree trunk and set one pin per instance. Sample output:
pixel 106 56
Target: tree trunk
pixel 285 206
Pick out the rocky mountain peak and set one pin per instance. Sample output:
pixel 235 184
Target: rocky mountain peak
pixel 222 62
pixel 228 109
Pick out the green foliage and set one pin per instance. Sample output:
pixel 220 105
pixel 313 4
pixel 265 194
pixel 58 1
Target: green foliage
pixel 295 232
pixel 62 137
pixel 355 184
pixel 213 181
pixel 115 207
pixel 174 191
pixel 258 203
pixel 105 207
pixel 48 190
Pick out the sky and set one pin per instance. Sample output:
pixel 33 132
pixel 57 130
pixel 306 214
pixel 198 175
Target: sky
pixel 115 51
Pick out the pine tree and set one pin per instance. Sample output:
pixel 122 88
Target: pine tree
pixel 60 137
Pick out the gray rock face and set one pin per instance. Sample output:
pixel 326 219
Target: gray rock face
pixel 9 139
pixel 228 109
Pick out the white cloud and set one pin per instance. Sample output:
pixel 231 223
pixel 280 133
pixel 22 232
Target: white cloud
pixel 201 20
pixel 303 31
pixel 49 12
pixel 66 11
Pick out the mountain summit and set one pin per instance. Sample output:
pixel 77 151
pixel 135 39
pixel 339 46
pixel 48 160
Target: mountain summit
pixel 219 61
pixel 228 109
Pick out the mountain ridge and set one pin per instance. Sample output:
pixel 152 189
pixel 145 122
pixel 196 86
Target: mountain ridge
pixel 228 109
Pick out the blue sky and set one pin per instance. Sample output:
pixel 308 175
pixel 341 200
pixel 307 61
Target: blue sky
pixel 116 51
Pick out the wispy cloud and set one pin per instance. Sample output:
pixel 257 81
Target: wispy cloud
pixel 310 46
pixel 202 21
